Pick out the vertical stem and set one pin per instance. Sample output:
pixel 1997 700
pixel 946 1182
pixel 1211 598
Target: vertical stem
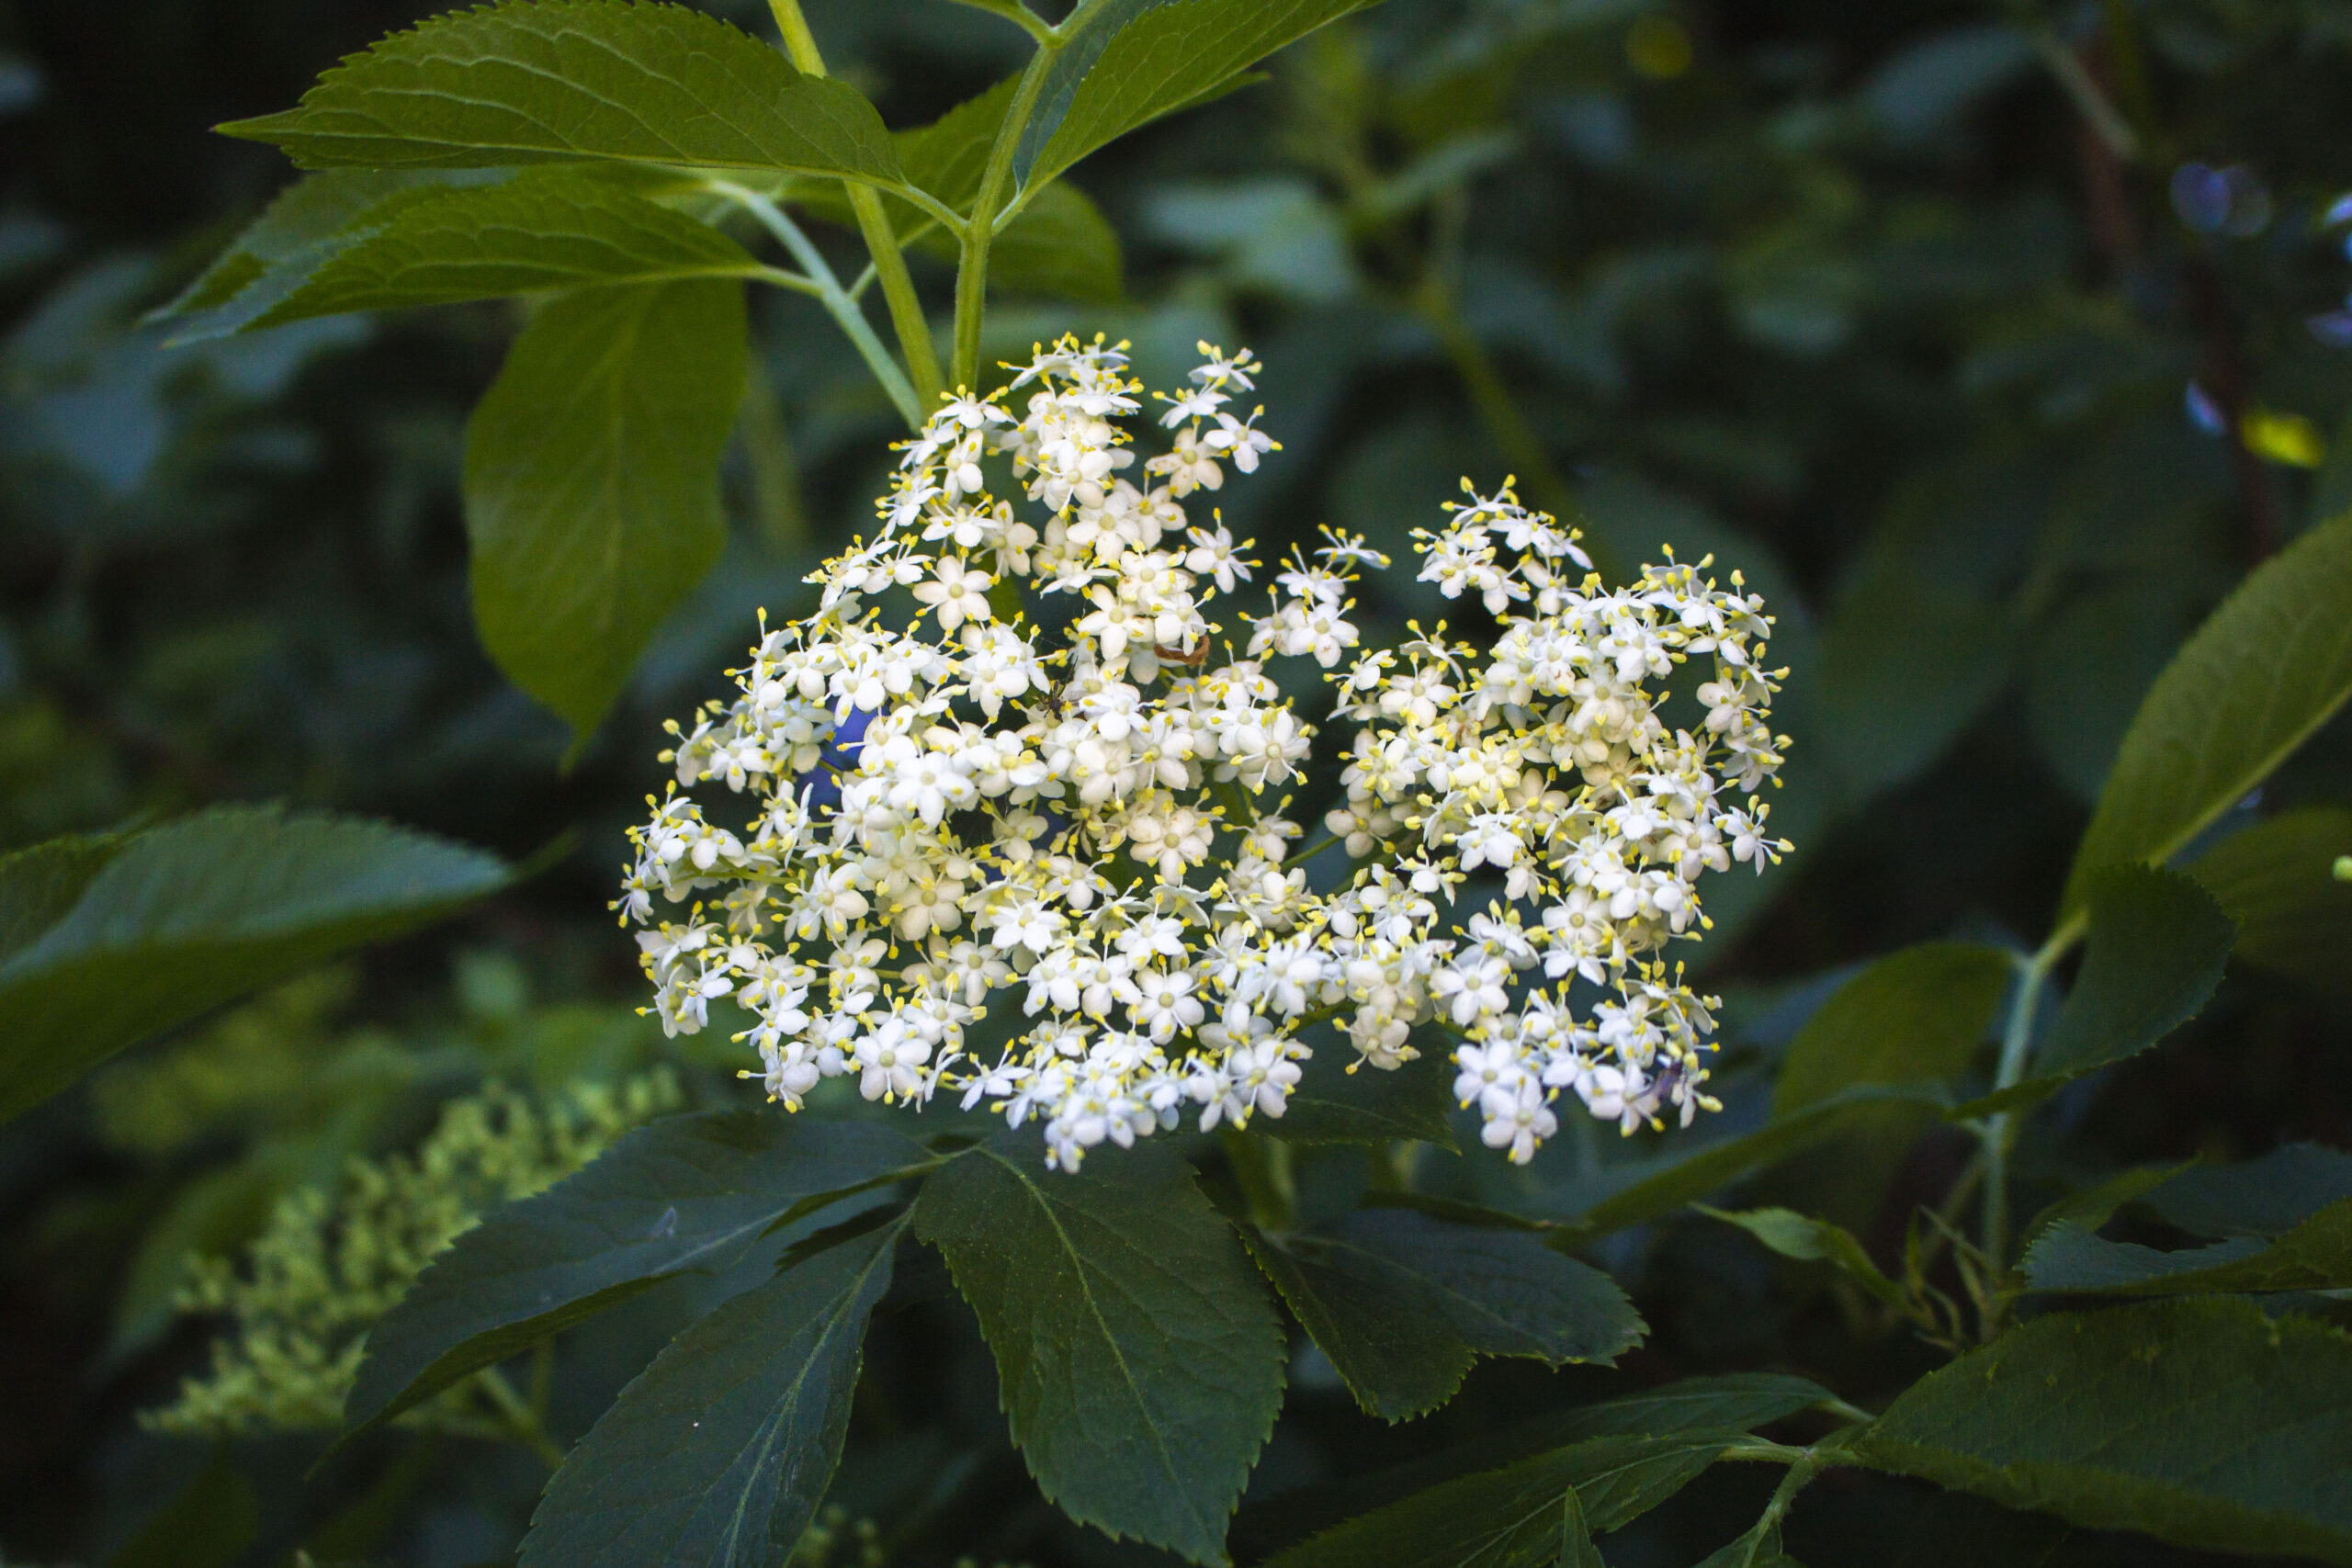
pixel 2017 1048
pixel 890 263
pixel 1262 1168
pixel 1509 428
pixel 979 229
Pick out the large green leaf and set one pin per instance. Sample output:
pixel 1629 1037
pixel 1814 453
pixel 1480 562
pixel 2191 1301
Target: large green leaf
pixel 1137 59
pixel 1917 1015
pixel 591 482
pixel 2202 1422
pixel 1401 1302
pixel 690 1195
pixel 718 1455
pixel 2294 917
pixel 209 1523
pixel 309 222
pixel 106 939
pixel 572 81
pixel 1138 1358
pixel 2315 1255
pixel 549 229
pixel 1514 1518
pixel 1692 1170
pixel 2264 1197
pixel 2158 943
pixel 2268 669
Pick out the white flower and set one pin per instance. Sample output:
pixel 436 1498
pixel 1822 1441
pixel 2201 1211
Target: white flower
pixel 948 817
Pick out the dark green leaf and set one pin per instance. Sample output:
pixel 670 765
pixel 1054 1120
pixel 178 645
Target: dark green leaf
pixel 1741 1400
pixel 547 231
pixel 1692 1170
pixel 2158 943
pixel 1792 1234
pixel 591 482
pixel 1906 664
pixel 718 1453
pixel 1382 1329
pixel 1138 1358
pixel 686 1195
pixel 209 1523
pixel 2265 1197
pixel 2268 669
pixel 1137 59
pixel 1400 1302
pixel 573 80
pixel 1917 1015
pixel 2091 1206
pixel 2315 1255
pixel 1515 1516
pixel 2294 918
pixel 310 222
pixel 1335 1105
pixel 111 939
pixel 1759 1547
pixel 1577 1549
pixel 2201 1422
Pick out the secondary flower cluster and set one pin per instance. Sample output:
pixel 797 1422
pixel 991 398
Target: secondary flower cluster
pixel 963 817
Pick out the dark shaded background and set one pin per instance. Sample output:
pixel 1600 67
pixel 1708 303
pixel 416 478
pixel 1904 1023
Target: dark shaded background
pixel 1849 295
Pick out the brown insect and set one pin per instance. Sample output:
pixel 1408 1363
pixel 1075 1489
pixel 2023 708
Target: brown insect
pixel 1192 661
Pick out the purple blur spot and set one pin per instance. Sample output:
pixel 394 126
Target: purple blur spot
pixel 2200 194
pixel 2334 328
pixel 2203 412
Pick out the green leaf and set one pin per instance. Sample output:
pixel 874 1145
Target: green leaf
pixel 2294 918
pixel 1401 1302
pixel 209 1523
pixel 2264 1197
pixel 1793 1235
pixel 689 1194
pixel 575 81
pixel 2158 943
pixel 2315 1255
pixel 310 221
pixel 591 482
pixel 548 230
pixel 1906 664
pixel 1917 1015
pixel 1515 1516
pixel 2092 1206
pixel 1694 1169
pixel 1577 1549
pixel 1759 1547
pixel 719 1452
pixel 1137 59
pixel 1741 1400
pixel 1138 1359
pixel 2265 671
pixel 105 939
pixel 1333 1105
pixel 2201 1422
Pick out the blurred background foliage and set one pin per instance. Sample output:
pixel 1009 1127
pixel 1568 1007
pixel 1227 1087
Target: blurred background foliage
pixel 1990 340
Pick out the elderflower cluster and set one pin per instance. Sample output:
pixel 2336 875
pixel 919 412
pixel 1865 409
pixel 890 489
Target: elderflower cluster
pixel 1012 782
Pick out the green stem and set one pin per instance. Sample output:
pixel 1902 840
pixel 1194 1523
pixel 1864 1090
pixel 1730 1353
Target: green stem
pixel 829 293
pixel 2017 1049
pixel 980 229
pixel 775 467
pixel 520 1419
pixel 873 222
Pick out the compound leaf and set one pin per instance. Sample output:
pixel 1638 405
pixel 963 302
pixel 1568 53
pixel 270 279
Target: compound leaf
pixel 721 1450
pixel 574 81
pixel 1138 1358
pixel 591 482
pixel 689 1194
pixel 2200 1421
pixel 2265 670
pixel 106 939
